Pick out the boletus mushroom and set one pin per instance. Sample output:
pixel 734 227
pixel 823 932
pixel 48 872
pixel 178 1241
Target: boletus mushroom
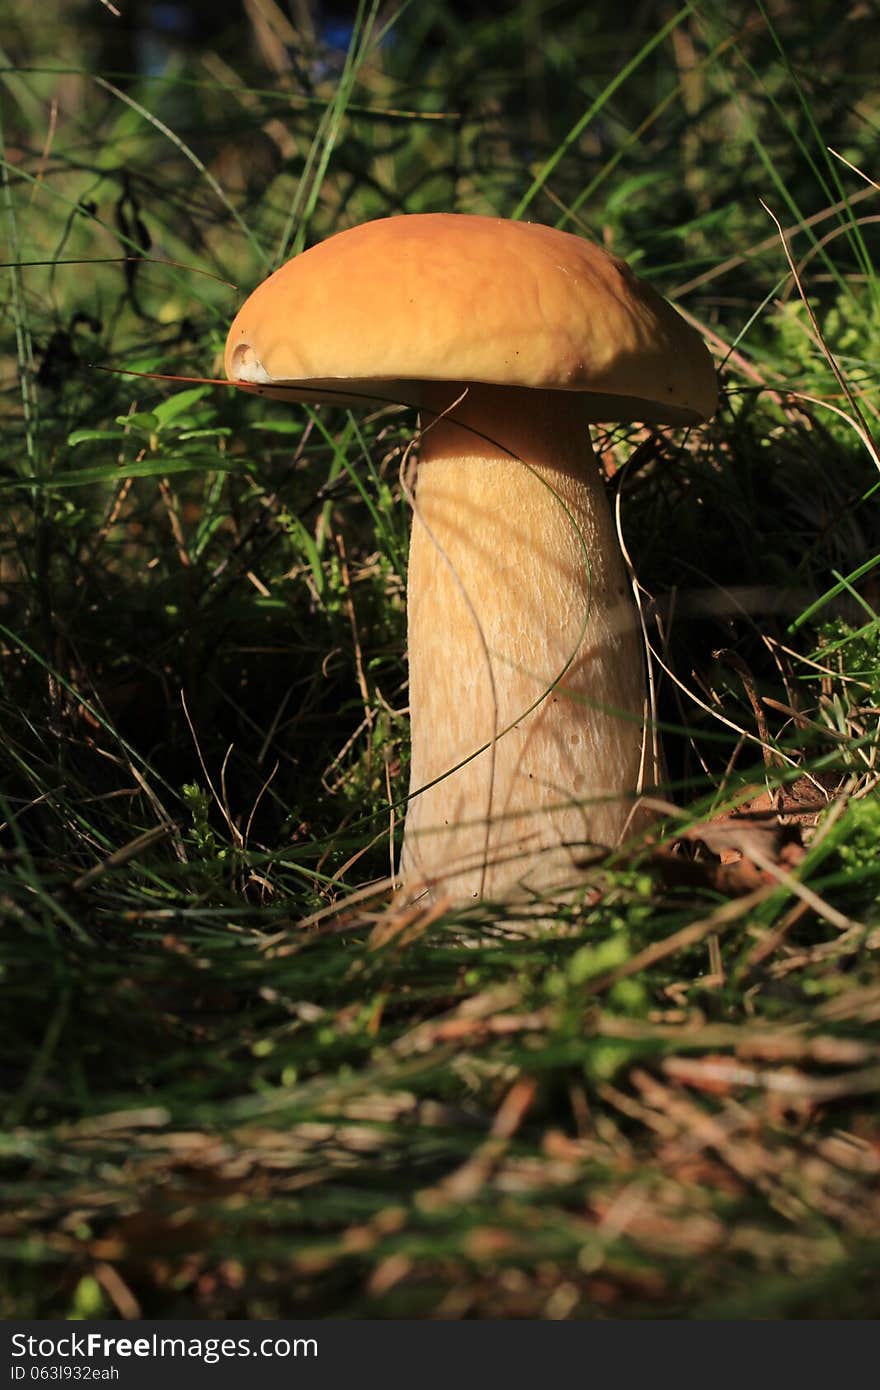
pixel 527 684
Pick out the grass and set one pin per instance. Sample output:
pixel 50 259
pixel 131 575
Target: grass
pixel 237 1080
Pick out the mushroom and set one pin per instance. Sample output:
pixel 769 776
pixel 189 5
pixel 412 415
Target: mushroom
pixel 527 684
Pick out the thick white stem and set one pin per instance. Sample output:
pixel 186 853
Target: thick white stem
pixel 523 643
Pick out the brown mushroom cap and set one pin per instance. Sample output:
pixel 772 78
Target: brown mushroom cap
pixel 370 312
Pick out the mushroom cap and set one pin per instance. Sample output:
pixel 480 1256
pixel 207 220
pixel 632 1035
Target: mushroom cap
pixel 372 311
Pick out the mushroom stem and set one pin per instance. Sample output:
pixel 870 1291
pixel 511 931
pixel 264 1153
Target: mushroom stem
pixel 525 659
